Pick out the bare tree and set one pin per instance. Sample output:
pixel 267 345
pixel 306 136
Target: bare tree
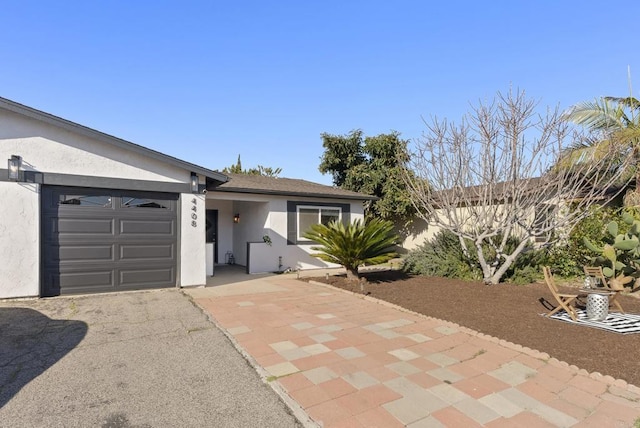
pixel 504 172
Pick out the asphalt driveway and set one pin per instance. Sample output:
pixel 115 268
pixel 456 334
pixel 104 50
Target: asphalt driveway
pixel 145 359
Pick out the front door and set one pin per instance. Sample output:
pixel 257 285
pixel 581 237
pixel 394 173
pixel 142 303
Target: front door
pixel 212 231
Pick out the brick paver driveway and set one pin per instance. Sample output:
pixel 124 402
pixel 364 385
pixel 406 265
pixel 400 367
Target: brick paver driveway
pixel 354 362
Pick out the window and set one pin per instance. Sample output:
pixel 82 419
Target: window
pixel 308 216
pixel 312 213
pixel 131 202
pixel 99 201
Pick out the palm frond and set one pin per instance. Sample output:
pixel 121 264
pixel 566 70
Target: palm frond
pixel 629 102
pixel 603 114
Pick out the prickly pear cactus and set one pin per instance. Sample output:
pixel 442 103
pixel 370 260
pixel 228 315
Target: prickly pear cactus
pixel 620 255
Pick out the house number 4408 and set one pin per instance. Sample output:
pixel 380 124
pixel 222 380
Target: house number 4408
pixel 194 216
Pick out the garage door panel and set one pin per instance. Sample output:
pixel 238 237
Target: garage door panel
pixel 135 278
pixel 81 226
pixel 147 227
pixel 86 280
pixel 69 254
pixel 129 252
pixel 89 245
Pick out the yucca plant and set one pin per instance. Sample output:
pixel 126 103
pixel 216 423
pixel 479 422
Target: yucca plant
pixel 355 244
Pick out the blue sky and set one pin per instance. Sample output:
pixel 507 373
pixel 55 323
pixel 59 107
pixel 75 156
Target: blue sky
pixel 206 81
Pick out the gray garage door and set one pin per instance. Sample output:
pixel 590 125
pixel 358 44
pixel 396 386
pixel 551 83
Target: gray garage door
pixel 96 240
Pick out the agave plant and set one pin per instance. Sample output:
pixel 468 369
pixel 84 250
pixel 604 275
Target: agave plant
pixel 355 244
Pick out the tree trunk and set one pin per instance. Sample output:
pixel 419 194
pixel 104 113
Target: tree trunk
pixel 352 274
pixel 506 264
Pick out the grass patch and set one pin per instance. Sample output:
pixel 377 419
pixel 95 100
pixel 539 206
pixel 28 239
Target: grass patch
pixel 193 330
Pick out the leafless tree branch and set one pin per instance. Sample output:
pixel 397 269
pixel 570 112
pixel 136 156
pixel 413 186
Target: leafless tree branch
pixel 500 173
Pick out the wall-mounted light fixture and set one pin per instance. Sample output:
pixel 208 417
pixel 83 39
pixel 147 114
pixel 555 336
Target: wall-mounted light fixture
pixel 236 218
pixel 194 182
pixel 14 166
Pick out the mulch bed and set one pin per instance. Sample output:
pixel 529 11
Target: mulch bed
pixel 510 312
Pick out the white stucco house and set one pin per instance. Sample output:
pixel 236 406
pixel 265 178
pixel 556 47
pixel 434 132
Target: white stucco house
pixel 82 212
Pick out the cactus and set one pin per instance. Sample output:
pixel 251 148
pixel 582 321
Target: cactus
pixel 620 255
pixel 626 244
pixel 628 218
pixel 590 246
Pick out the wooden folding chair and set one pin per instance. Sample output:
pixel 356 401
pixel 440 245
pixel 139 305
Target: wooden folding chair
pixel 596 272
pixel 565 301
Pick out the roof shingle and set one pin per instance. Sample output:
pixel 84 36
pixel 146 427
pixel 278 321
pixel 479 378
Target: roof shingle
pixel 245 183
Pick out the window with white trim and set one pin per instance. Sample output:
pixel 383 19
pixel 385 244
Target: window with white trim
pixel 310 215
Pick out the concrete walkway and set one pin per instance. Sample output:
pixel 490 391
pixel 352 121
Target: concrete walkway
pixel 126 360
pixel 350 361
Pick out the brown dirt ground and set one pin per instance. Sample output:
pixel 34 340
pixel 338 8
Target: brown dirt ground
pixel 510 312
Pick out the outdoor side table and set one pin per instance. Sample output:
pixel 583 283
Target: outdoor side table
pixel 597 306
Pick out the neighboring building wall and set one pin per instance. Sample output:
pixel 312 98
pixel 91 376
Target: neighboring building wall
pixel 192 236
pixel 421 232
pixel 20 240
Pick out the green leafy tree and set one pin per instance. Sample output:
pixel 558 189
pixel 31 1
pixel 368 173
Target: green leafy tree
pixel 234 169
pixel 354 244
pixel 342 153
pixel 370 165
pixel 259 170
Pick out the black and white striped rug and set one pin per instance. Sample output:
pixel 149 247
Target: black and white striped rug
pixel 615 321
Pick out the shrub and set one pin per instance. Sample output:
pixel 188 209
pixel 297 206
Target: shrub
pixel 443 256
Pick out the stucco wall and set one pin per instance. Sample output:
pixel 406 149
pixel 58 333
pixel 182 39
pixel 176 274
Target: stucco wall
pixel 253 225
pixel 47 148
pixel 262 259
pixel 192 238
pixel 19 240
pixel 420 232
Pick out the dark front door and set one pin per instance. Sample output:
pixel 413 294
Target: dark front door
pixel 97 240
pixel 212 231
